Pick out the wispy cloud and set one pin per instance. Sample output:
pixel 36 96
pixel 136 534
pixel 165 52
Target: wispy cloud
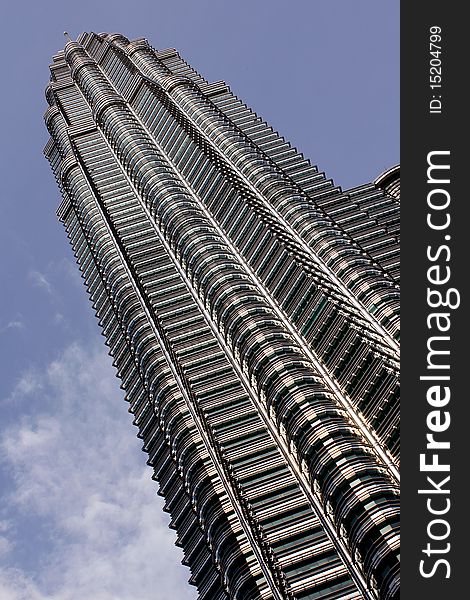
pixel 41 281
pixel 62 321
pixel 5 543
pixel 29 383
pixel 14 324
pixel 77 468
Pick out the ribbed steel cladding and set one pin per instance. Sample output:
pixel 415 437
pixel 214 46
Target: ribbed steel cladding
pixel 199 478
pixel 187 101
pixel 242 217
pixel 274 491
pixel 195 165
pixel 169 400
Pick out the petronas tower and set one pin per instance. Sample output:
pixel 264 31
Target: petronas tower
pixel 252 312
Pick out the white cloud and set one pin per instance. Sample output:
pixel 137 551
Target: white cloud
pixel 15 324
pixel 5 543
pixel 4 526
pixel 5 546
pixel 60 320
pixel 29 383
pixel 14 585
pixel 40 280
pixel 77 469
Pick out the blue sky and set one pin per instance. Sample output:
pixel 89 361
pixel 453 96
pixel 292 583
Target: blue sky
pixel 79 518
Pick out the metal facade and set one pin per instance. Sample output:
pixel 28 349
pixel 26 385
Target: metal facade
pixel 251 308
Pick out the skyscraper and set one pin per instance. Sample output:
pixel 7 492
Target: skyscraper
pixel 251 309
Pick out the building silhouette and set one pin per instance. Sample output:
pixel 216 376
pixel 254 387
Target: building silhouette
pixel 251 309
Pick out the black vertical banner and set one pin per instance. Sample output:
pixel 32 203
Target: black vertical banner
pixel 435 429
